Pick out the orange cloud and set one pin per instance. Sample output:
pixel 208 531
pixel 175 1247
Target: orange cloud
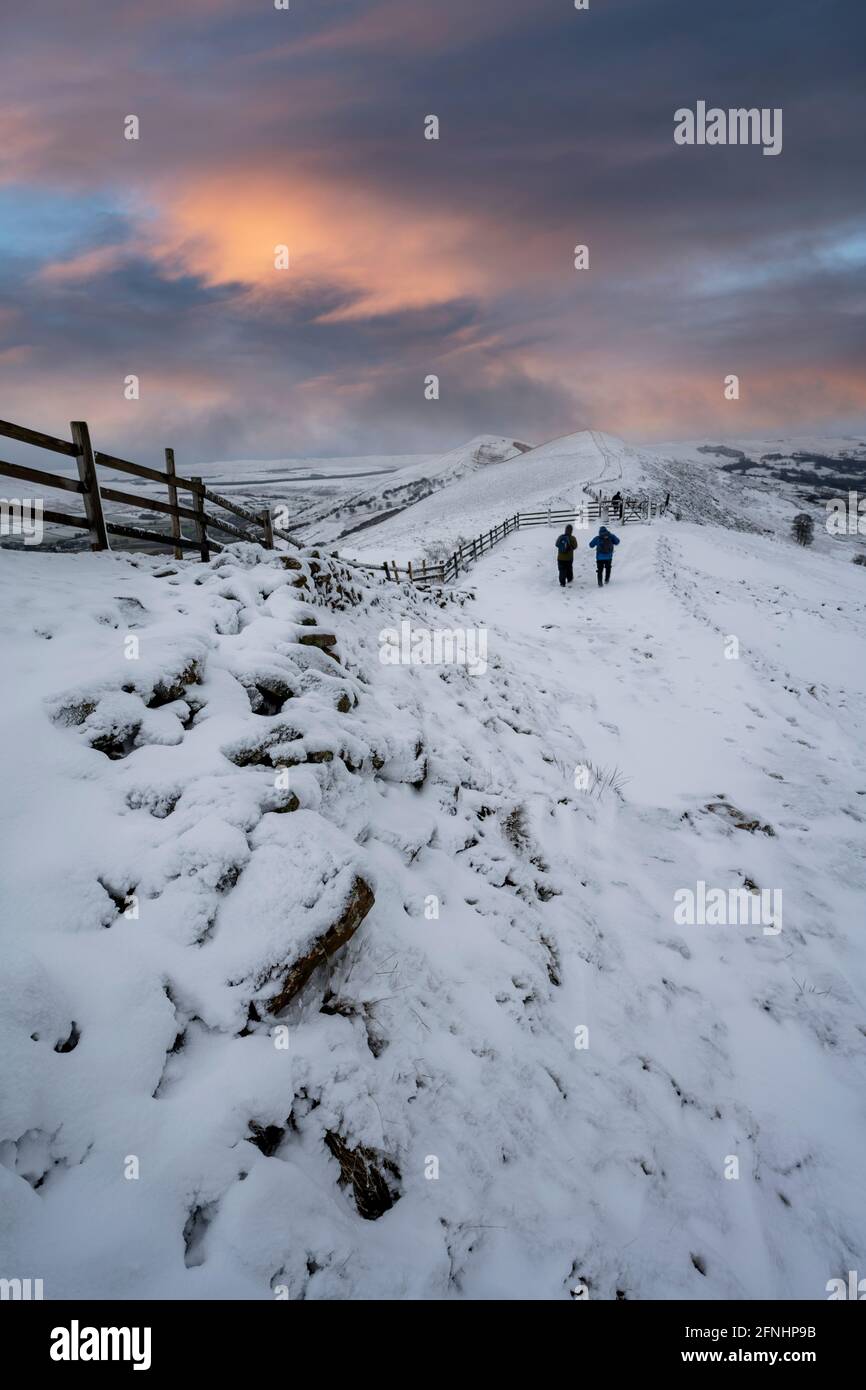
pixel 387 256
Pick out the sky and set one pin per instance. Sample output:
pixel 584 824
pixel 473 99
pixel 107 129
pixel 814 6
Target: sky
pixel 407 257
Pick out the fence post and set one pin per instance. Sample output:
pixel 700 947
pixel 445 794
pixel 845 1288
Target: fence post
pixel 200 520
pixel 409 568
pixel 172 502
pixel 387 571
pixel 396 572
pixel 90 482
pixel 268 526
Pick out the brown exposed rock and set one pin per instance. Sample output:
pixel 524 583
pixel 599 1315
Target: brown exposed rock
pixel 358 902
pixel 738 819
pixel 323 640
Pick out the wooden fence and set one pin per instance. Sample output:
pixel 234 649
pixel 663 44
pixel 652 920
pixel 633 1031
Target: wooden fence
pixel 94 493
pixel 444 571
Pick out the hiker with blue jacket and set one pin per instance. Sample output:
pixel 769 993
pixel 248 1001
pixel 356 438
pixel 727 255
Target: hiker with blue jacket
pixel 603 545
pixel 566 545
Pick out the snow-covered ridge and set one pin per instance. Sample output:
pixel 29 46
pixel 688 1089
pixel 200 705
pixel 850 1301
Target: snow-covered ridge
pixel 356 509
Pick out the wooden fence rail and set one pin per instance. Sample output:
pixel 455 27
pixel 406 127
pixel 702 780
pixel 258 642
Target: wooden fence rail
pixel 444 571
pixel 94 492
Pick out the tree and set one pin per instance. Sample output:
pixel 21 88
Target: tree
pixel 803 528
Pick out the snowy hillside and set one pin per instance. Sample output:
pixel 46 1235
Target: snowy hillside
pixel 556 474
pixel 725 485
pixel 327 977
pixel 356 509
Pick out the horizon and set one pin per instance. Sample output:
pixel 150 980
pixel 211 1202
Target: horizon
pixel 58 464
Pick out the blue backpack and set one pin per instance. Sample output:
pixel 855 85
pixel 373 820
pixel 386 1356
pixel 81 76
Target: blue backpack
pixel 564 545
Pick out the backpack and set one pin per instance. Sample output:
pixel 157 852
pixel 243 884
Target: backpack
pixel 564 545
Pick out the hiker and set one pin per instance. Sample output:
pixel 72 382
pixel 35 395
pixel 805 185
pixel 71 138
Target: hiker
pixel 617 503
pixel 566 545
pixel 603 545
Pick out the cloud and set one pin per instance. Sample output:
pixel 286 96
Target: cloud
pixel 305 128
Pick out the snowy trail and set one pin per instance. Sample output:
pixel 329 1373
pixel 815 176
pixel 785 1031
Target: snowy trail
pixel 641 682
pixel 665 702
pixel 611 470
pixel 646 658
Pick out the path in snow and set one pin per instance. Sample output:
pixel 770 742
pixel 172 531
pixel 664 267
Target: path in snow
pixel 649 667
pixel 757 1039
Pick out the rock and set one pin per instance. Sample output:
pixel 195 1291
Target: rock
pixel 267 1138
pixel 358 903
pixel 374 1177
pixel 323 640
pixel 171 688
pixel 118 741
pixel 75 713
pixel 69 1043
pixel 738 819
pixel 268 694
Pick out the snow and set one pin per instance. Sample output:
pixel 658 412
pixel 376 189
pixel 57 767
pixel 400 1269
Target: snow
pixel 452 1037
pixel 552 475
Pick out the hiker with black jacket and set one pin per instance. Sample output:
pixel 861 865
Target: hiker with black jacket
pixel 603 545
pixel 566 545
